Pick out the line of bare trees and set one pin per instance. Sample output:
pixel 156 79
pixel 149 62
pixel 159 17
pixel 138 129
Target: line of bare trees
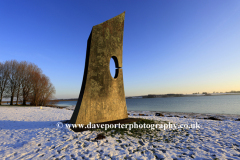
pixel 25 82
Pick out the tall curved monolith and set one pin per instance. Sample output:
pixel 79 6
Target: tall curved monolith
pixel 102 96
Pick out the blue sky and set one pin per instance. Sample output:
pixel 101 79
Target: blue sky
pixel 169 46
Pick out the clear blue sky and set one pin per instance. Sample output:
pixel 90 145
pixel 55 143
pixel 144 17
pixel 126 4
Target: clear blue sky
pixel 169 46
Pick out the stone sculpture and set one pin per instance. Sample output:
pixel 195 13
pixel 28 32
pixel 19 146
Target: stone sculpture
pixel 102 97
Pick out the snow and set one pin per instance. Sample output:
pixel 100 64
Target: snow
pixel 31 133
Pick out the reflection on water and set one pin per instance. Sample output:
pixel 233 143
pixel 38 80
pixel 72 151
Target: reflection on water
pixel 66 103
pixel 227 104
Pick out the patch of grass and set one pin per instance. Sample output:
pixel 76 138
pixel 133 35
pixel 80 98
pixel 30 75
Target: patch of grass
pixel 167 140
pixel 119 141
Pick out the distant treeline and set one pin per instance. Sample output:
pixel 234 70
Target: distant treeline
pixel 233 92
pixel 162 96
pixel 71 99
pixel 25 82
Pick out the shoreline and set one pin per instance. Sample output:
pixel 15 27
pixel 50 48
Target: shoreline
pixel 191 115
pixel 169 113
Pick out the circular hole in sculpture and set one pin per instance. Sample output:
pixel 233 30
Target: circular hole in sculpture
pixel 113 67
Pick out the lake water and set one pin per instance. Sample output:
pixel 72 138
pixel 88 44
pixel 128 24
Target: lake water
pixel 227 104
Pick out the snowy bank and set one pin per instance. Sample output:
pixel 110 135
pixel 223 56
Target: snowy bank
pixel 31 133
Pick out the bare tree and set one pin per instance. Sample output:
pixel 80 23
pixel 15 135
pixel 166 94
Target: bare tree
pixel 36 87
pixel 1 79
pixel 25 81
pixel 29 78
pixel 47 91
pixel 18 80
pixel 4 77
pixel 43 90
pixel 13 83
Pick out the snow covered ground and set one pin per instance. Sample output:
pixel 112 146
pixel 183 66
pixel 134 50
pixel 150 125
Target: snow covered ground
pixel 31 133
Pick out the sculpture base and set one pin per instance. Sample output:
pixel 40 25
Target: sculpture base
pixel 99 125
